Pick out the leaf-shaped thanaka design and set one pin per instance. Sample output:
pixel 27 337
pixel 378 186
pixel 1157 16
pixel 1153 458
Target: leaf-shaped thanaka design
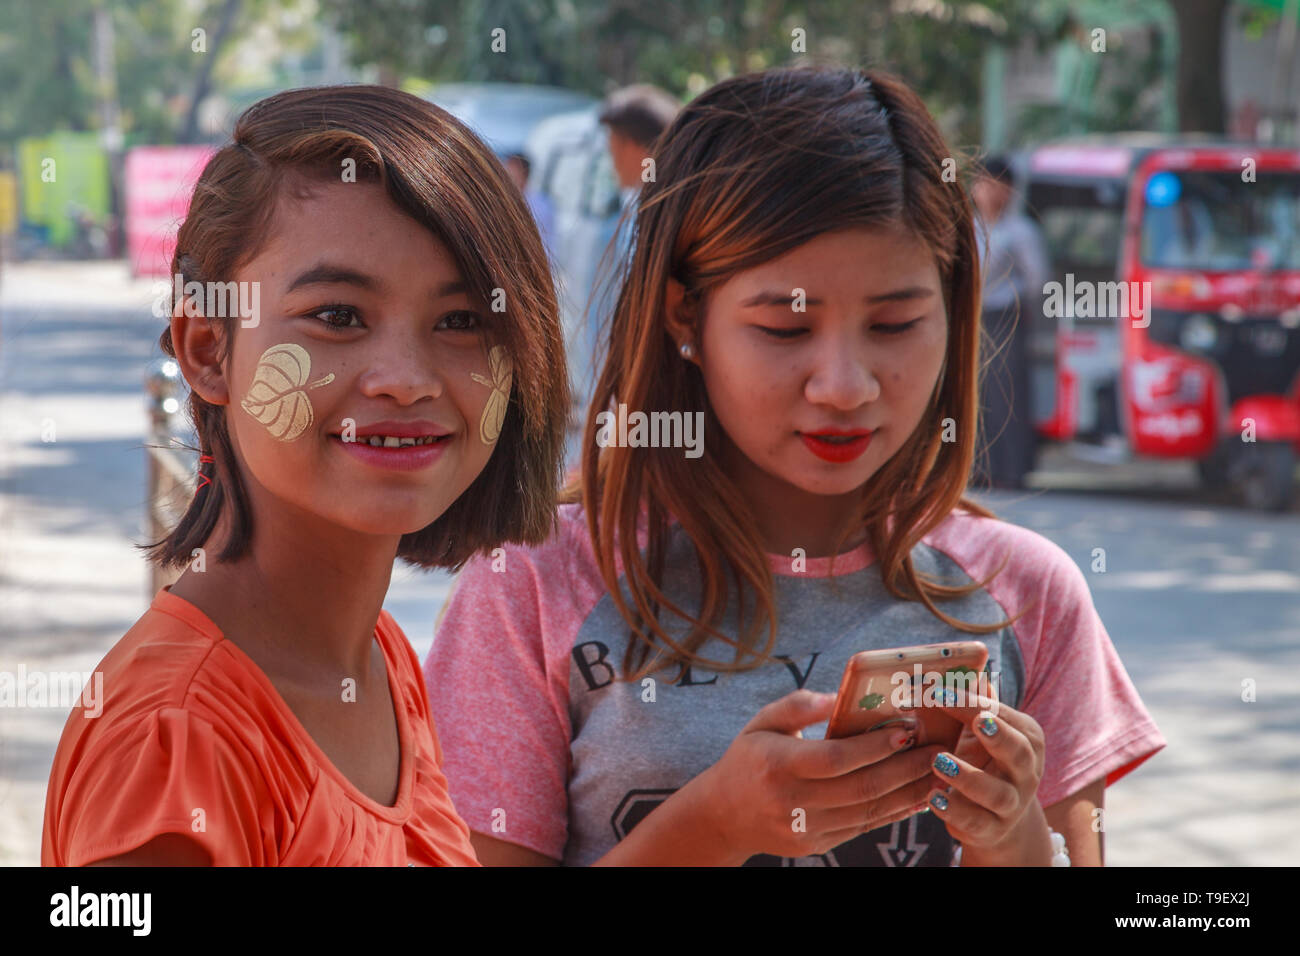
pixel 494 413
pixel 278 395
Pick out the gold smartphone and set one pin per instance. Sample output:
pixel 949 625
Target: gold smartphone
pixel 880 688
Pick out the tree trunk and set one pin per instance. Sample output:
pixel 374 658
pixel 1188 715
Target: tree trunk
pixel 1200 65
pixel 203 81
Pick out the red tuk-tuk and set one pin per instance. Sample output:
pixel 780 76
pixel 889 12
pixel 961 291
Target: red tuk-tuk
pixel 1173 314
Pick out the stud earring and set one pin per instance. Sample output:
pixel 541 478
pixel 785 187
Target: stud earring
pixel 687 350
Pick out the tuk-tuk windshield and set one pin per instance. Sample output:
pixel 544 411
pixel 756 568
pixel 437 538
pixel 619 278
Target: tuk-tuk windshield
pixel 1216 221
pixel 1082 224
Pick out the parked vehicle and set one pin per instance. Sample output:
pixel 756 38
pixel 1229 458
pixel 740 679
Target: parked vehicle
pixel 1175 304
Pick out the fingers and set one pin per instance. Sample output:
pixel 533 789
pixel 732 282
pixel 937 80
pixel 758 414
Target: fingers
pixel 1017 753
pixel 991 793
pixel 793 712
pixel 964 819
pixel 828 828
pixel 880 781
pixel 821 759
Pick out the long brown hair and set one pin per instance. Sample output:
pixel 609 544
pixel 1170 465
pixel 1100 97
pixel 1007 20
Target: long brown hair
pixel 442 175
pixel 754 167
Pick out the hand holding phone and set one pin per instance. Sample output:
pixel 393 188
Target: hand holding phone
pixel 882 688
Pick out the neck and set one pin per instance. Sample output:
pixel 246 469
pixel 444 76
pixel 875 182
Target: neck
pixel 304 600
pixel 789 517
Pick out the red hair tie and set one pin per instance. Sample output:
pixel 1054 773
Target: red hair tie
pixel 204 480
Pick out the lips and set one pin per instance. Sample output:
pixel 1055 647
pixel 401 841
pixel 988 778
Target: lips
pixel 395 445
pixel 837 445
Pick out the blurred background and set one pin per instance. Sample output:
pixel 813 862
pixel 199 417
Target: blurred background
pixel 1126 143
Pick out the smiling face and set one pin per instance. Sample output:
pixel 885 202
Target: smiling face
pixel 865 356
pixel 363 317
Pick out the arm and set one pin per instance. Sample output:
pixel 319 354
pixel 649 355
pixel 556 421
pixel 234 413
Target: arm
pixel 493 852
pixel 167 849
pixel 676 833
pixel 1073 818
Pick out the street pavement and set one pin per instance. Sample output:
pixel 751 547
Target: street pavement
pixel 1197 595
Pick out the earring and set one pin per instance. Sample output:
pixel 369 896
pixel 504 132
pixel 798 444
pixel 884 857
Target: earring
pixel 687 350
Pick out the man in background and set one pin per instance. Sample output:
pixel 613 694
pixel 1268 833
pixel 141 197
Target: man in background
pixel 1015 268
pixel 519 167
pixel 634 117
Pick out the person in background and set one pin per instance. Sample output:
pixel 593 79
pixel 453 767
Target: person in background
pixel 1014 265
pixel 634 117
pixel 519 168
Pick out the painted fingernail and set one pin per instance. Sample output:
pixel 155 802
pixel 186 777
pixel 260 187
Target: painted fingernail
pixel 988 726
pixel 945 765
pixel 904 739
pixel 940 801
pixel 950 698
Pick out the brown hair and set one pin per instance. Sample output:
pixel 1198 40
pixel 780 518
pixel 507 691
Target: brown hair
pixel 641 113
pixel 438 172
pixel 752 168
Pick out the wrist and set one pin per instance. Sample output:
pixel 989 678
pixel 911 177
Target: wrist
pixel 1028 844
pixel 703 811
pixel 687 829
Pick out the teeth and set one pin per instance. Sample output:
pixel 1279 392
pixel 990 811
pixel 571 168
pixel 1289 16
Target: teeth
pixel 392 441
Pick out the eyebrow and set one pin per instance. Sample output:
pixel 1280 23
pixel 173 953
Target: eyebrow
pixel 326 274
pixel 784 298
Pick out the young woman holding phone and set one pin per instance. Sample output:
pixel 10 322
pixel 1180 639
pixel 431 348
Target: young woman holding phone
pixel 635 690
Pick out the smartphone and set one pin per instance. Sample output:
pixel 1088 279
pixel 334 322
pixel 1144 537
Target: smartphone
pixel 882 688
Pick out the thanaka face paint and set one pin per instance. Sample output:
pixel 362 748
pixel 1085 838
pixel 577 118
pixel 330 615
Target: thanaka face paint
pixel 277 396
pixel 494 413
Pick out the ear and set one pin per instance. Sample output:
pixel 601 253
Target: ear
pixel 680 319
pixel 197 344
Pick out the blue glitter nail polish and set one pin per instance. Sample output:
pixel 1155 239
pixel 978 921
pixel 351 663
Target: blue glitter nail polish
pixel 945 765
pixel 940 801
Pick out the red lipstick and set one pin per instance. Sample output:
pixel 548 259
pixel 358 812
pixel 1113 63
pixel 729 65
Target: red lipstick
pixel 837 445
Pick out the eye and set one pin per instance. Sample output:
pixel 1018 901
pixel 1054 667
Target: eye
pixel 895 329
pixel 780 333
pixel 338 316
pixel 461 321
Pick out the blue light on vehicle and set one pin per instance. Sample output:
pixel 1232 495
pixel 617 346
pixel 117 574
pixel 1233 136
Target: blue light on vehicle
pixel 1163 189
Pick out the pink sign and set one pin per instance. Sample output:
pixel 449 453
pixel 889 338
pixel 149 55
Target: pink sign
pixel 159 180
pixel 1082 160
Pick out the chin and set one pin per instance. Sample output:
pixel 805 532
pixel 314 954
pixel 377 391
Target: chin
pixel 387 520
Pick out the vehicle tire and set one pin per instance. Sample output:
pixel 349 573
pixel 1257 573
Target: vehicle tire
pixel 1265 475
pixel 1214 471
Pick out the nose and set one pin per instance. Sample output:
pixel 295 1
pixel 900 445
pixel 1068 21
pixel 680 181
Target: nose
pixel 400 365
pixel 842 376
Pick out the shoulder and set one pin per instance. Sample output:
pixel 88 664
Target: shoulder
pixel 173 679
pixel 1034 565
pixel 563 563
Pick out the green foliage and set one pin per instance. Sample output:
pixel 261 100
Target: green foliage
pixel 596 45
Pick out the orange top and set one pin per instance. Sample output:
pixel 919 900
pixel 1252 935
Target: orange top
pixel 194 739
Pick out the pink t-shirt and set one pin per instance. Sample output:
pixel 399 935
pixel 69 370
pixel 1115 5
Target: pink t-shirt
pixel 544 748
